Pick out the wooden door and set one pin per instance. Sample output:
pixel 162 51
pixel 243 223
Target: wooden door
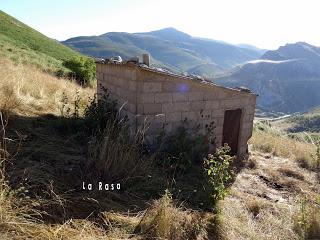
pixel 231 129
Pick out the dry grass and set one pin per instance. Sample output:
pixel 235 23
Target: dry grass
pixel 272 222
pixel 52 211
pixel 20 219
pixel 290 173
pixel 164 221
pixel 307 219
pixel 28 91
pixel 116 155
pixel 276 143
pixel 264 201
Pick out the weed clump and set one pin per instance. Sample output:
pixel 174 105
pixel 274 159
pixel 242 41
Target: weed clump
pixel 307 221
pixel 218 172
pixel 165 221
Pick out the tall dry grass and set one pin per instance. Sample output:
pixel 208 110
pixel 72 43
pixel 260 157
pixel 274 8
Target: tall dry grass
pixel 165 221
pixel 27 90
pixel 114 155
pixel 256 219
pixel 273 141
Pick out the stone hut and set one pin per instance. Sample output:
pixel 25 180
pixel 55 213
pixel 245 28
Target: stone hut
pixel 164 99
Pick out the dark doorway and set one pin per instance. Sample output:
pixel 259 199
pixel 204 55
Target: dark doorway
pixel 231 128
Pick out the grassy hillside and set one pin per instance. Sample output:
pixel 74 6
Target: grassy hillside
pixel 23 44
pixel 26 90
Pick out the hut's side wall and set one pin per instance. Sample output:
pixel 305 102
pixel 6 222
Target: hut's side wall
pixel 120 82
pixel 165 100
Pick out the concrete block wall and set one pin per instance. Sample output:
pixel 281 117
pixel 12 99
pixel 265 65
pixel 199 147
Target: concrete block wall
pixel 162 99
pixel 120 82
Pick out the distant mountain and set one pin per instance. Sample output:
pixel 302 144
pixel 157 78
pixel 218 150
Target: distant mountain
pixel 287 79
pixel 169 48
pixel 251 47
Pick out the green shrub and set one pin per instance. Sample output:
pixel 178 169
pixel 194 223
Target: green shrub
pixel 83 69
pixel 62 72
pixel 218 172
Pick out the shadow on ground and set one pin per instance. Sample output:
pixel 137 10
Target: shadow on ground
pixel 49 165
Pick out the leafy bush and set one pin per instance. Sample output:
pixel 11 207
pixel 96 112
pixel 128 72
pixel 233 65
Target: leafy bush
pixel 83 69
pixel 218 172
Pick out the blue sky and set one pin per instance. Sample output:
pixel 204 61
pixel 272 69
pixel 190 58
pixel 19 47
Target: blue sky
pixel 264 23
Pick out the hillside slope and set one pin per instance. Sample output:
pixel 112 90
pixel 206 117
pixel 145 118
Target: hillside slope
pixel 304 125
pixel 23 36
pixel 169 48
pixel 266 199
pixel 23 44
pixel 287 80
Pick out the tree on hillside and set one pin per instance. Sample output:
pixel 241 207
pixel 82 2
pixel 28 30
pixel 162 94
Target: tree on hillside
pixel 83 69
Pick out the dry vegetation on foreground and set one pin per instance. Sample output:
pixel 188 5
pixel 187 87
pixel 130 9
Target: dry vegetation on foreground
pixel 43 155
pixel 277 194
pixel 272 198
pixel 43 158
pixel 27 91
pixel 271 140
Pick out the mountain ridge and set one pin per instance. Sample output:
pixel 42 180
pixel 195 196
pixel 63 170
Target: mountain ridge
pixel 169 48
pixel 287 79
